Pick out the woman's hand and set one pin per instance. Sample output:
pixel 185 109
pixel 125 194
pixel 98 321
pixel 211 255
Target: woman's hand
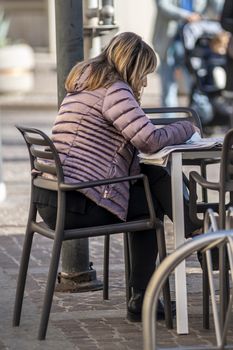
pixel 197 129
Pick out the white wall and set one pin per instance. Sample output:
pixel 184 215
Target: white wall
pixel 137 16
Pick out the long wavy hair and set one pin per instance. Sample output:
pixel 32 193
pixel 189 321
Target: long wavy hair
pixel 127 57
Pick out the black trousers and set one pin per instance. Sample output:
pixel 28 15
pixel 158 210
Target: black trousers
pixel 143 245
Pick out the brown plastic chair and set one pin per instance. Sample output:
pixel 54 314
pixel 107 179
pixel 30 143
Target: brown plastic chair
pixel 45 159
pixel 223 186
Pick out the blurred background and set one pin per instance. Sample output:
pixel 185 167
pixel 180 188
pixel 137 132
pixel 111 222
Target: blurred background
pixel 32 22
pixel 28 69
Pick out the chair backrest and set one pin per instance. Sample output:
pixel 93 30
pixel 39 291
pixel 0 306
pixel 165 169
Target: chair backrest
pixel 43 155
pixel 44 158
pixel 180 113
pixel 205 243
pixel 226 169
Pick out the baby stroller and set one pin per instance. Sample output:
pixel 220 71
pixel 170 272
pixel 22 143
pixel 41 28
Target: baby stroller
pixel 205 45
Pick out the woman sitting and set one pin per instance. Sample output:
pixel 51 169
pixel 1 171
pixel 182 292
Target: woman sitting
pixel 98 132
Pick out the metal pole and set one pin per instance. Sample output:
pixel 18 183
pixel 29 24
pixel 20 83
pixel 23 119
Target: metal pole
pixel 77 274
pixel 51 27
pixel 69 39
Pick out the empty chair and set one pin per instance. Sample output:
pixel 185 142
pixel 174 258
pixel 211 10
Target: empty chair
pixel 223 186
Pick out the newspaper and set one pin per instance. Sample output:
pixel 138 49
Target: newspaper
pixel 161 157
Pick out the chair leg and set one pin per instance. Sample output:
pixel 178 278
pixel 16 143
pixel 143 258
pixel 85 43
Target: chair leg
pixel 106 267
pixel 48 297
pixel 206 294
pixel 166 289
pixel 223 283
pixel 127 266
pixel 22 277
pixel 204 174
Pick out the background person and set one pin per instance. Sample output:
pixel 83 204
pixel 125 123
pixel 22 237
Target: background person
pixel 227 24
pixel 99 129
pixel 171 16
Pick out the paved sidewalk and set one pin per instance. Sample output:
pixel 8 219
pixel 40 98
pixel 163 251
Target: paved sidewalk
pixel 78 321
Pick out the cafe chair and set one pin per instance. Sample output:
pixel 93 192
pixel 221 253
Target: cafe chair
pixel 223 186
pixel 204 243
pixel 44 159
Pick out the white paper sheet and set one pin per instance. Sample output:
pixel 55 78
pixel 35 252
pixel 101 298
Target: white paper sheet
pixel 161 157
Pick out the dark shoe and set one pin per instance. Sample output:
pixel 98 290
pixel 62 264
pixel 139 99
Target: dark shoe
pixel 134 311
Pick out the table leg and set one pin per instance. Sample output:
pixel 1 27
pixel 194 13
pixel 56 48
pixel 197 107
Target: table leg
pixel 178 226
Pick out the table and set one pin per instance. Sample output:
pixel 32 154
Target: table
pixel 178 224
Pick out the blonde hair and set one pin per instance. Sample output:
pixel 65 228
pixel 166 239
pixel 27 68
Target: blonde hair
pixel 127 57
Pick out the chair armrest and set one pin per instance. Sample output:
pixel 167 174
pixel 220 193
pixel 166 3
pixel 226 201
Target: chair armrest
pixel 54 186
pixel 194 176
pixel 90 184
pixel 195 179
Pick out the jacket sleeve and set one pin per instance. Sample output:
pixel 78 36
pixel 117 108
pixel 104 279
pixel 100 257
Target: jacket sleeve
pixel 227 16
pixel 122 110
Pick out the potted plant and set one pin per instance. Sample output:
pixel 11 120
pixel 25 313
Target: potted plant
pixel 16 62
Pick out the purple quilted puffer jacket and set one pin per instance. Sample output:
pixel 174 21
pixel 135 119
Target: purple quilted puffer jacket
pixel 97 134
